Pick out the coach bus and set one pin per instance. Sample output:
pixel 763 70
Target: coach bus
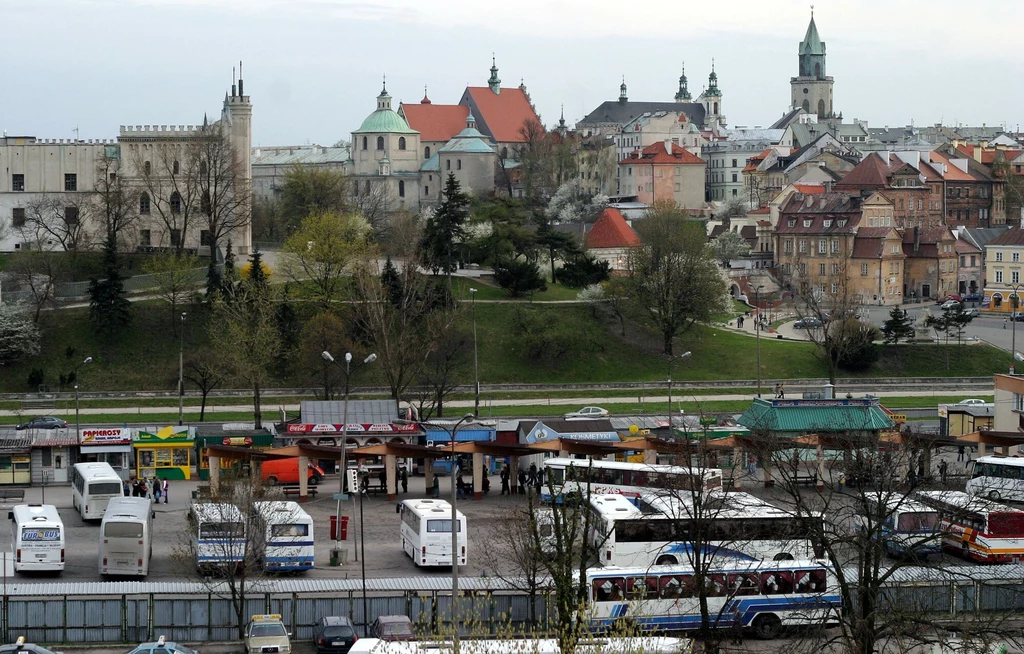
pixel 997 478
pixel 904 526
pixel 763 596
pixel 218 535
pixel 978 529
pixel 92 486
pixel 37 538
pixel 578 477
pixel 427 532
pixel 288 536
pixel 126 537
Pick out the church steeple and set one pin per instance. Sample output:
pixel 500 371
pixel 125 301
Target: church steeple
pixel 812 52
pixel 712 82
pixel 493 82
pixel 811 89
pixel 384 100
pixel 623 98
pixel 683 95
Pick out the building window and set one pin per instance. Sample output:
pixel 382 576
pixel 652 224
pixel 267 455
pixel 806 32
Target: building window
pixel 999 256
pixel 1015 256
pixel 147 167
pixel 380 142
pixel 71 215
pixel 734 165
pixel 175 237
pixel 973 264
pixel 144 203
pixel 18 216
pixel 835 288
pixel 401 142
pixel 145 237
pixel 791 222
pixel 70 182
pixel 401 188
pixel 17 182
pixel 1015 277
pixel 863 270
pixel 828 223
pixel 963 261
pixel 447 164
pixel 803 245
pixel 426 191
pixel 458 164
pixel 821 246
pixel 204 238
pixel 835 269
pixel 364 142
pixel 808 222
pixel 175 167
pixel 426 152
pixel 999 276
pixel 787 246
pixel 734 190
pixel 835 245
pixel 821 269
pixel 175 202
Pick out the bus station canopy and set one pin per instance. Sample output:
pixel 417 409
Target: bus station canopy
pixel 491 449
pixel 653 443
pixel 311 451
pixel 400 449
pixel 991 437
pixel 574 446
pixel 243 453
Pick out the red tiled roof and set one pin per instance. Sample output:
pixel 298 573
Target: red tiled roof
pixel 929 237
pixel 988 155
pixel 436 122
pixel 871 173
pixel 873 232
pixel 760 210
pixel 1012 236
pixel 657 154
pixel 953 174
pixel 503 113
pixel 611 231
pixel 963 246
pixel 809 189
pixel 867 248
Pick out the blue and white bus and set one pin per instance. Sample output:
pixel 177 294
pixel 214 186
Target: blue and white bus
pixel 578 477
pixel 288 536
pixel 217 534
pixel 763 596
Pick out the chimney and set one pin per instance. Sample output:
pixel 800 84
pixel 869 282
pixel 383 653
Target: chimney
pixel 668 146
pixel 917 238
pixel 828 185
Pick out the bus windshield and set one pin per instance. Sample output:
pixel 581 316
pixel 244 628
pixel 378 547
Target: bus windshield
pixel 123 530
pixel 442 526
pixel 918 521
pixel 105 488
pixel 221 530
pixel 289 530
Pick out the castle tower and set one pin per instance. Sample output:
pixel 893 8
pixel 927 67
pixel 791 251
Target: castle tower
pixel 238 111
pixel 683 95
pixel 812 88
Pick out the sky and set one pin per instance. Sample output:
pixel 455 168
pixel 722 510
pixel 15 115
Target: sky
pixel 314 67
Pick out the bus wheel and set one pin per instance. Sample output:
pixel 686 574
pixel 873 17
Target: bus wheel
pixel 993 495
pixel 767 626
pixel 667 560
pixel 271 481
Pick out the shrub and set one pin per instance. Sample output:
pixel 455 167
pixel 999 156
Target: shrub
pixel 583 271
pixel 519 277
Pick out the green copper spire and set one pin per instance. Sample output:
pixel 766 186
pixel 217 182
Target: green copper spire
pixel 494 83
pixel 812 43
pixel 683 95
pixel 712 82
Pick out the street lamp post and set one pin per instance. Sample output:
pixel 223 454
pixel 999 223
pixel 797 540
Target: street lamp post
pixel 344 436
pixel 476 361
pixel 181 370
pixel 671 361
pixel 757 334
pixel 1014 303
pixel 78 425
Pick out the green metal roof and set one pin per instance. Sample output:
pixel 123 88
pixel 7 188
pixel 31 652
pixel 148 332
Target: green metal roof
pixel 812 45
pixel 385 121
pixel 808 416
pixel 468 140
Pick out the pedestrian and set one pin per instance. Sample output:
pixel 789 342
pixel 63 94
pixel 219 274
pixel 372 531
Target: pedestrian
pixel 143 488
pixel 504 481
pixel 435 488
pixel 383 478
pixel 752 464
pixel 960 453
pixel 404 476
pixel 460 488
pixel 522 482
pixel 531 476
pixel 1004 323
pixel 127 488
pixel 739 321
pixel 778 392
pixel 942 471
pixel 538 483
pixel 156 490
pixel 135 487
pixel 782 392
pixel 165 485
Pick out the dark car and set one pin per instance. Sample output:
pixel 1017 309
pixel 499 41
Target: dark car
pixel 807 323
pixel 334 635
pixel 974 297
pixel 22 646
pixel 392 627
pixel 1017 316
pixel 44 422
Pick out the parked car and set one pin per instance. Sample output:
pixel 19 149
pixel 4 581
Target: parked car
pixel 334 635
pixel 392 627
pixel 974 297
pixel 161 646
pixel 952 296
pixel 266 633
pixel 950 305
pixel 587 412
pixel 44 422
pixel 807 323
pixel 973 312
pixel 22 646
pixel 1017 316
pixel 972 401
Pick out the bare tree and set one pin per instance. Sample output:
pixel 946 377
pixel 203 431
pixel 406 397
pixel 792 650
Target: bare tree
pixel 178 278
pixel 52 218
pixel 39 273
pixel 202 370
pixel 375 202
pixel 448 347
pixel 223 191
pixel 115 208
pixel 170 189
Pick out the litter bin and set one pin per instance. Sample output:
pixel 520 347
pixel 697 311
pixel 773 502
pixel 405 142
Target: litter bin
pixel 334 527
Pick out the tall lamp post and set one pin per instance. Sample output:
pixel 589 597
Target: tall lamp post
pixel 78 425
pixel 181 370
pixel 476 360
pixel 1014 303
pixel 344 433
pixel 757 334
pixel 671 361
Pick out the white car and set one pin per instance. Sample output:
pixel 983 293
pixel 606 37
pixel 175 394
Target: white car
pixel 587 412
pixel 972 402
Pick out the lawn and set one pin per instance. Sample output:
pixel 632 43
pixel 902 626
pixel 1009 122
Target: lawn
pixel 488 290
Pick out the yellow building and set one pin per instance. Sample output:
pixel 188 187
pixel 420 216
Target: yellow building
pixel 1003 261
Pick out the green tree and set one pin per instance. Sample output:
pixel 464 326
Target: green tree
pixel 728 246
pixel 519 277
pixel 584 270
pixel 559 245
pixel 898 327
pixel 673 276
pixel 445 231
pixel 109 309
pixel 308 191
pixel 859 352
pixel 322 250
pixel 391 280
pixel 176 279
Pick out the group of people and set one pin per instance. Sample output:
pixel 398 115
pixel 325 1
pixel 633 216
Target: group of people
pixel 151 487
pixel 760 321
pixel 531 478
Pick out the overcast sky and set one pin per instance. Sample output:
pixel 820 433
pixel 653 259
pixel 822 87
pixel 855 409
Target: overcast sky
pixel 313 67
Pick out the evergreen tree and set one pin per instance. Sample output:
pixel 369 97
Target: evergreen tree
pixel 898 327
pixel 445 231
pixel 109 309
pixel 391 281
pixel 519 277
pixel 214 281
pixel 257 275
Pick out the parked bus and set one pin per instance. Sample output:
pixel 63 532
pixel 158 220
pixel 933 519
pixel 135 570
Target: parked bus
pixel 976 528
pixel 92 486
pixel 427 532
pixel 288 536
pixel 907 527
pixel 632 645
pixel 598 477
pixel 663 528
pixel 997 478
pixel 37 538
pixel 763 596
pixel 126 537
pixel 217 533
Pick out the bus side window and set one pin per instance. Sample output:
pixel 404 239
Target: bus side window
pixel 640 588
pixel 744 583
pixel 776 583
pixel 715 585
pixel 810 581
pixel 671 587
pixel 609 590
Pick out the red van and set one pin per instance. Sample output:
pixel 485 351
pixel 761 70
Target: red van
pixel 286 471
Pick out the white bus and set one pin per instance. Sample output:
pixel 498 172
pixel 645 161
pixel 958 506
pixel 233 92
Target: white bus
pixel 38 538
pixel 126 537
pixel 978 529
pixel 998 478
pixel 217 534
pixel 92 486
pixel 427 532
pixel 288 537
pixel 904 526
pixel 663 529
pixel 634 645
pixel 573 476
pixel 763 596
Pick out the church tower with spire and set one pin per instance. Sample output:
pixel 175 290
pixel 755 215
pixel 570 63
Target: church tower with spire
pixel 711 98
pixel 683 94
pixel 812 88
